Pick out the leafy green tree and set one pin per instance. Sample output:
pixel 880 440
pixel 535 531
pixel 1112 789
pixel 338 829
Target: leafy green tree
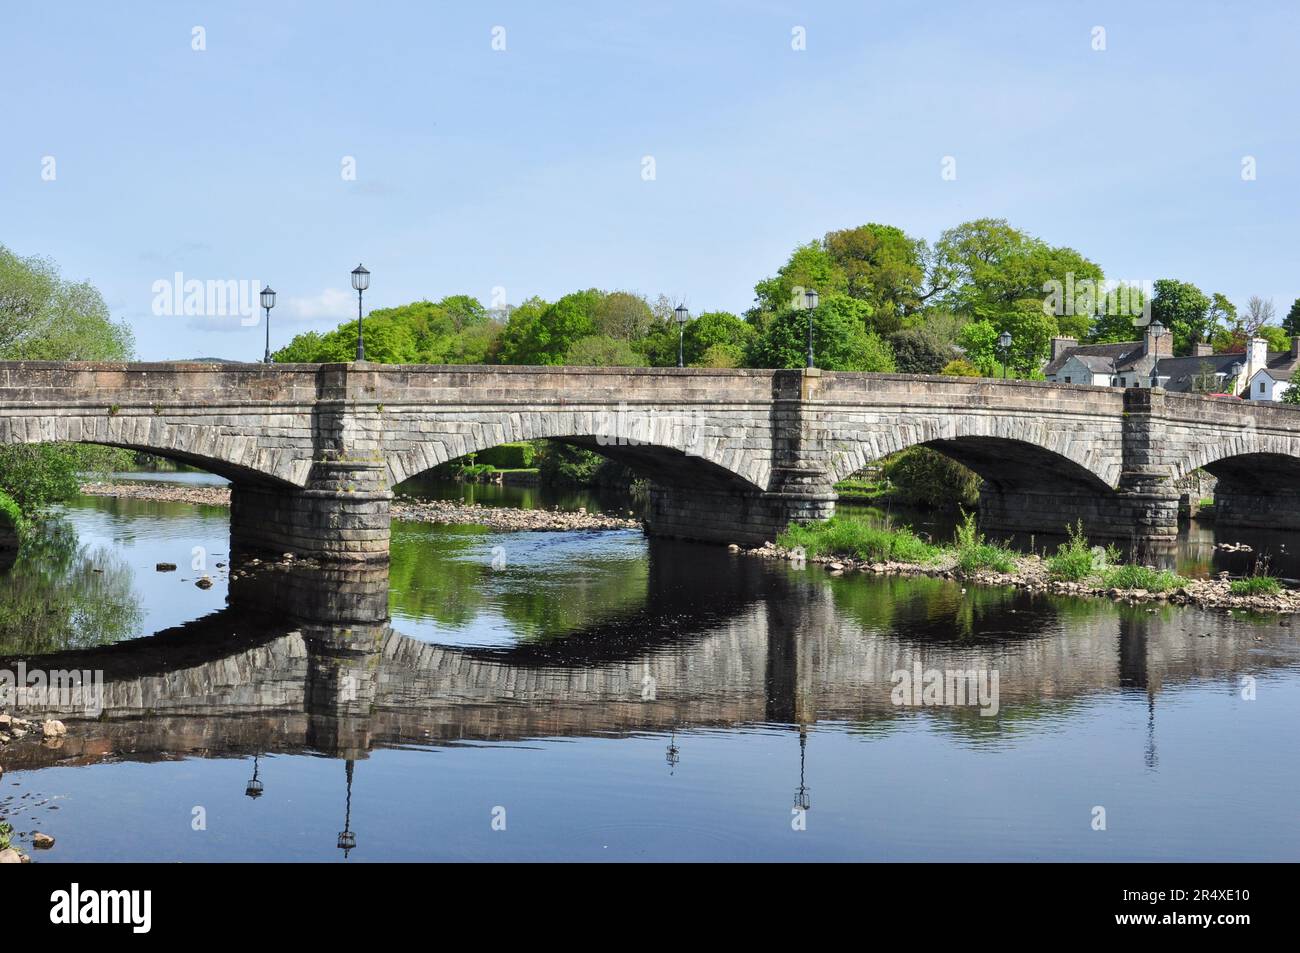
pixel 809 266
pixel 840 341
pixel 599 350
pixel 623 316
pixel 960 367
pixel 44 317
pixel 713 329
pixel 1120 316
pixel 721 355
pixel 1292 394
pixel 882 266
pixel 1184 310
pixel 917 351
pixel 544 336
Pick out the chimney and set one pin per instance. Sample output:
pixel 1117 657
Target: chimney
pixel 1165 342
pixel 1258 354
pixel 1201 349
pixel 1061 345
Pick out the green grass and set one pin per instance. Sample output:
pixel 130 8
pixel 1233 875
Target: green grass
pixel 1255 586
pixel 974 553
pixel 862 490
pixel 845 536
pixel 1141 577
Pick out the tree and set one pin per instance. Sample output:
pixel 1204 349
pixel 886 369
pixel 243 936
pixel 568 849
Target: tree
pixel 1184 310
pixel 1120 315
pixel 715 329
pixel 882 266
pixel 45 317
pixel 917 351
pixel 622 315
pixel 840 341
pixel 599 350
pixel 809 266
pixel 1291 323
pixel 1292 394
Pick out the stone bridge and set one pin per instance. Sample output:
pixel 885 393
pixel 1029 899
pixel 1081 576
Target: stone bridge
pixel 313 451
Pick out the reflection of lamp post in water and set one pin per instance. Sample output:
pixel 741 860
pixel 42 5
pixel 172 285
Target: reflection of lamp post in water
pixel 674 753
pixel 802 800
pixel 347 839
pixel 254 789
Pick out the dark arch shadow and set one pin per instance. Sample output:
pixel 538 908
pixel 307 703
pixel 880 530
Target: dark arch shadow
pixel 1014 465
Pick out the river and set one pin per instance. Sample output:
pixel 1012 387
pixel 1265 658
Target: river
pixel 600 696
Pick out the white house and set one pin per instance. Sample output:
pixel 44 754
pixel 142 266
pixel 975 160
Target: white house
pixel 1268 384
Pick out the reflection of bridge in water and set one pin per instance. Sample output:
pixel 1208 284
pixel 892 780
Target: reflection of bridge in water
pixel 307 660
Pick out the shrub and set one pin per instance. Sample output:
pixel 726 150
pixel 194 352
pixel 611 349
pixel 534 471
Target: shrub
pixel 974 553
pixel 960 367
pixel 845 536
pixel 1255 586
pixel 925 477
pixel 508 456
pixel 11 517
pixel 1141 577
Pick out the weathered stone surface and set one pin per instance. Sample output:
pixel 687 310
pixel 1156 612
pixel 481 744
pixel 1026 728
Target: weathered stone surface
pixel 314 450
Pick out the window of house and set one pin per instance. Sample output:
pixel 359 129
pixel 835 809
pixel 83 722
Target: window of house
pixel 1261 387
pixel 1067 379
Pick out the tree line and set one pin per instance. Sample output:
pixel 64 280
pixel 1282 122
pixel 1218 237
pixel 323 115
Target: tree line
pixel 888 301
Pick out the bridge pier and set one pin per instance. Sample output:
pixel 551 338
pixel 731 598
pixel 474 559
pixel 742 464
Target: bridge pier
pixel 342 515
pixel 1132 515
pixel 732 516
pixel 1253 509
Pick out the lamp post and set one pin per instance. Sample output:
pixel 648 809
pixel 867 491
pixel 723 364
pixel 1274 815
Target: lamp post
pixel 802 799
pixel 1004 342
pixel 1157 331
pixel 268 302
pixel 347 841
pixel 683 315
pixel 254 787
pixel 810 300
pixel 360 281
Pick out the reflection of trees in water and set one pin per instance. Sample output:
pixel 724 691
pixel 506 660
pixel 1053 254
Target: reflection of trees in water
pixel 448 577
pixel 59 595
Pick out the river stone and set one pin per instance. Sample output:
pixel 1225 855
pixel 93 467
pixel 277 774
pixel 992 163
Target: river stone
pixel 42 841
pixel 165 567
pixel 204 583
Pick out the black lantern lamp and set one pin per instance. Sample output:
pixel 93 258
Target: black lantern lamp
pixel 268 302
pixel 810 301
pixel 360 282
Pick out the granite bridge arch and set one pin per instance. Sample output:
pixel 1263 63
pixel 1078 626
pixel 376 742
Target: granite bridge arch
pixel 313 451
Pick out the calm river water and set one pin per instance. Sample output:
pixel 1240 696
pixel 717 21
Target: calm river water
pixel 598 696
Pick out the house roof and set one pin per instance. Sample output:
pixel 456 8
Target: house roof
pixel 1101 358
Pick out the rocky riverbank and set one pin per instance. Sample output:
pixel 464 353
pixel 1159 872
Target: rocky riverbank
pixel 1031 574
pixel 443 512
pixel 15 730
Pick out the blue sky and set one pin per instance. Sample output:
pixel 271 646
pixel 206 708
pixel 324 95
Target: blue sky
pixel 522 169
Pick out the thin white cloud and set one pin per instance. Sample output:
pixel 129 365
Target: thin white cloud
pixel 330 303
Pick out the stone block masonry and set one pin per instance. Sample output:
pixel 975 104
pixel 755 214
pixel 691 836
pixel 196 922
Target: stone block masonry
pixel 314 451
